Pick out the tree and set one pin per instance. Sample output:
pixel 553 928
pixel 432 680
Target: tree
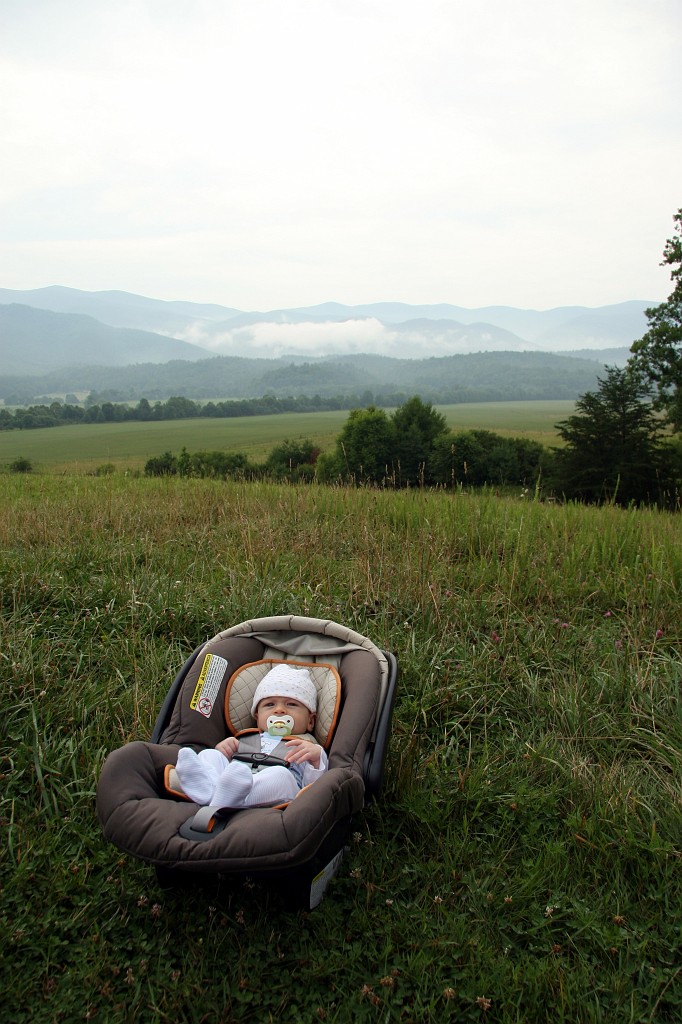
pixel 288 456
pixel 613 449
pixel 472 458
pixel 417 426
pixel 161 465
pixel 365 446
pixel 658 354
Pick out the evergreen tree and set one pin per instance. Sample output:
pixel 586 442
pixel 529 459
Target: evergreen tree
pixel 613 449
pixel 417 426
pixel 658 354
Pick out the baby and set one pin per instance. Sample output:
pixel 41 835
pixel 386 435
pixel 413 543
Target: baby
pixel 285 701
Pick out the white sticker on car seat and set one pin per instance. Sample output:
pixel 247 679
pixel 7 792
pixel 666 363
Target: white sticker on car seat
pixel 321 881
pixel 205 692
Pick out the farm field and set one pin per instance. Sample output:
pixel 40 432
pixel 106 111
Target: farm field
pixel 523 863
pixel 128 445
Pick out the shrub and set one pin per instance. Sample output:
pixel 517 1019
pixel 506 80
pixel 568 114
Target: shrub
pixel 162 465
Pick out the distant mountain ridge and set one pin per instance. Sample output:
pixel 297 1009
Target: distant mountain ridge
pixel 361 379
pixel 30 343
pixel 36 340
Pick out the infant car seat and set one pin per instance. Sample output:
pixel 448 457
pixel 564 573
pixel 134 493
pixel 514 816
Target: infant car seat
pixel 142 811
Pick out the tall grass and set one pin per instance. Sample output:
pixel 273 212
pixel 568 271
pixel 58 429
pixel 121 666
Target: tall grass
pixel 524 861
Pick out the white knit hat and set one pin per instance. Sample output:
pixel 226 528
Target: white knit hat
pixel 286 681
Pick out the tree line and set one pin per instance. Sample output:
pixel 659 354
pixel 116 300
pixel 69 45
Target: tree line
pixel 614 452
pixel 57 414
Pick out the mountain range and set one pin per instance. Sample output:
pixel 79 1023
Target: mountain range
pixel 55 328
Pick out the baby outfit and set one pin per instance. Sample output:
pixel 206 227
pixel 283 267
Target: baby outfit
pixel 210 778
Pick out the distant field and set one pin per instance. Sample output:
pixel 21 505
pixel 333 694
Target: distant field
pixel 535 420
pixel 129 445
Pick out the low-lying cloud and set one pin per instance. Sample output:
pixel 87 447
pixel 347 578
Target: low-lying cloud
pixel 364 335
pixel 272 340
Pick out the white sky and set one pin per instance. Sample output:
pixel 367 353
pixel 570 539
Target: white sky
pixel 278 153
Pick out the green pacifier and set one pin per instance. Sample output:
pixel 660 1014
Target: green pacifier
pixel 280 725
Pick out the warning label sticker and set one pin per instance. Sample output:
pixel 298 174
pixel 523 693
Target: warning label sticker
pixel 205 692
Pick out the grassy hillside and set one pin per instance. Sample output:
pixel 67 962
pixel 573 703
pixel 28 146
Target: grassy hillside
pixel 524 861
pixel 129 445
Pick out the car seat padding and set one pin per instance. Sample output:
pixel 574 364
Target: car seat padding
pixel 138 817
pixel 242 685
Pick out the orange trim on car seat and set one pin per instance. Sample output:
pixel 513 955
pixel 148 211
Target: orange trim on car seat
pixel 283 807
pixel 284 661
pixel 169 789
pixel 250 664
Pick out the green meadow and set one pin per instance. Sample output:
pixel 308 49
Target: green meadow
pixel 83 447
pixel 524 862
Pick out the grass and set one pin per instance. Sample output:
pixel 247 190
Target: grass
pixel 74 449
pixel 524 861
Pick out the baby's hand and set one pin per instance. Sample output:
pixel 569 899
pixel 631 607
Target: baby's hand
pixel 228 747
pixel 300 751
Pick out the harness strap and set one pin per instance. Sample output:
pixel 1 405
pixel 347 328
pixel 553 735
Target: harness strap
pixel 249 751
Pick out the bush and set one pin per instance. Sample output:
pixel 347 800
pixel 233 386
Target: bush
pixel 161 465
pixel 288 456
pixel 21 465
pixel 477 457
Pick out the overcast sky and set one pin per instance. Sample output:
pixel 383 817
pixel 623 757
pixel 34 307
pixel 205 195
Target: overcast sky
pixel 277 153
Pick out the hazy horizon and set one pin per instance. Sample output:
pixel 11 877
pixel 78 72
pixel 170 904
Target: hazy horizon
pixel 263 155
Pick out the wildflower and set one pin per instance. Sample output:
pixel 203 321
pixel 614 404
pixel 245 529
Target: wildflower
pixel 484 1003
pixel 508 899
pixel 389 903
pixel 619 920
pixel 618 644
pixel 495 637
pixel 357 837
pixel 143 901
pixel 659 634
pixel 608 615
pixel 387 982
pixel 549 910
pixel 156 910
pixel 449 993
pixel 356 873
pixel 438 899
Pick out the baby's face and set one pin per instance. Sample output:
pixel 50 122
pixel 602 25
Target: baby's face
pixel 304 720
